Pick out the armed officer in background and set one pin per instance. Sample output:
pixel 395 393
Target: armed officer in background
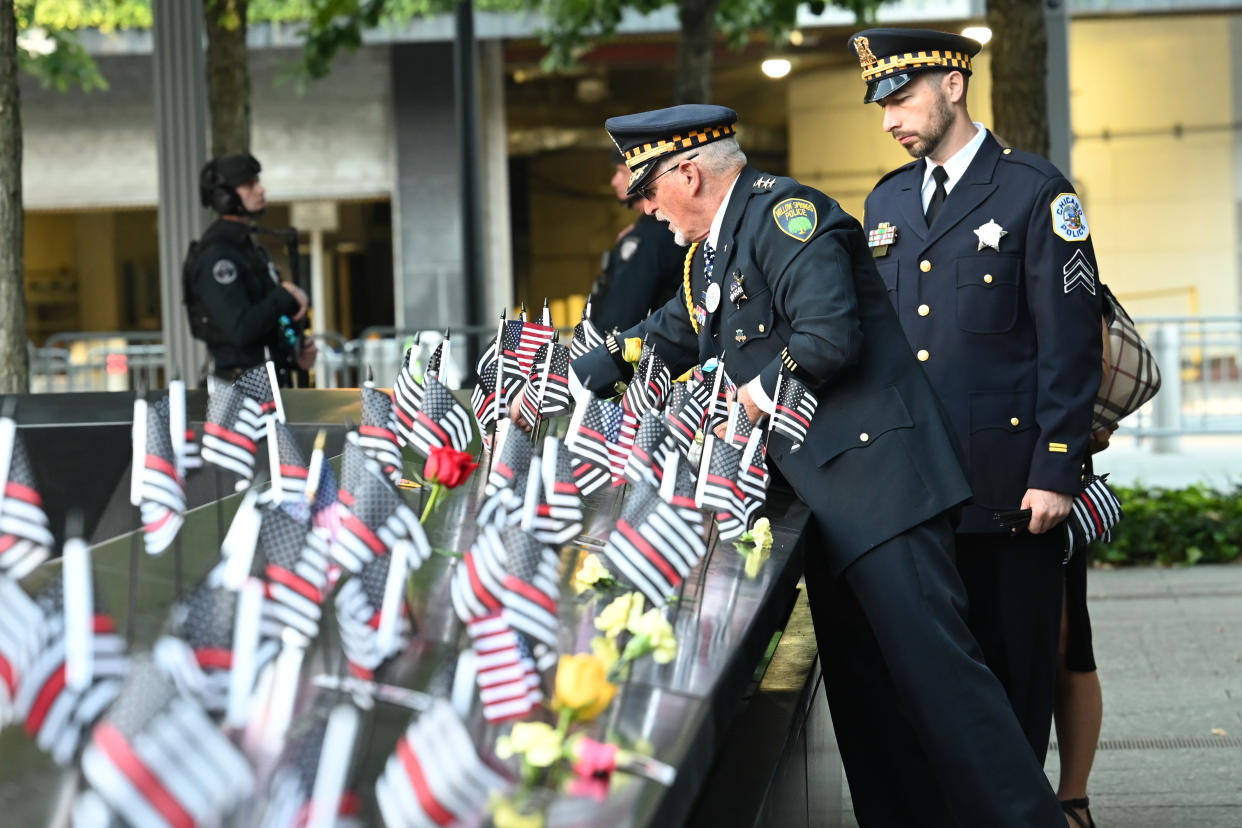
pixel 641 271
pixel 236 301
pixel 987 257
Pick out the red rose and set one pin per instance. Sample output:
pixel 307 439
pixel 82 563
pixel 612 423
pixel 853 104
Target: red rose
pixel 448 466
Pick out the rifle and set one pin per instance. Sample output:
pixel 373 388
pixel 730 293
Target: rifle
pixel 291 332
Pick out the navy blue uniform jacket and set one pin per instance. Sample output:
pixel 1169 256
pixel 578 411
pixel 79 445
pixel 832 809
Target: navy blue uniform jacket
pixel 639 274
pixel 1009 337
pixel 878 458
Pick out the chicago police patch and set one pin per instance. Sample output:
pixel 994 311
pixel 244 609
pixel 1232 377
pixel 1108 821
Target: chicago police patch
pixel 796 217
pixel 1068 220
pixel 224 272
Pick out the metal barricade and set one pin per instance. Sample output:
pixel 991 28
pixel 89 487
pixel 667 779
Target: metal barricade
pixel 98 361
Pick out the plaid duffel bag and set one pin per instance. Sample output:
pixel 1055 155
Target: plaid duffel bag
pixel 1130 376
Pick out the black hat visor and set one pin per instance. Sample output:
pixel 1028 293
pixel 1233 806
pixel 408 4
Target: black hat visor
pixel 878 90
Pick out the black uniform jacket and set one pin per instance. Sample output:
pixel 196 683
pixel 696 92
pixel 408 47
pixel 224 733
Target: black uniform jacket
pixel 1009 337
pixel 878 458
pixel 639 275
pixel 239 289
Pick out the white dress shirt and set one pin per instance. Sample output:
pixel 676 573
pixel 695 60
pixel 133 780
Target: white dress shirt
pixel 955 166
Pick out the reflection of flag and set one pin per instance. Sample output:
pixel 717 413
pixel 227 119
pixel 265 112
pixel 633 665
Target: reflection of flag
pixel 25 539
pixel 377 433
pixel 235 424
pixel 653 546
pixel 586 336
pixel 295 575
pixel 163 494
pixel 508 681
pixel 506 482
pixel 358 613
pixel 718 487
pixel 20 624
pixel 55 714
pixel 686 411
pixel 594 437
pixel 795 406
pixel 558 509
pixel 441 421
pixel 157 759
pixel 377 519
pixel 435 775
pixel 325 514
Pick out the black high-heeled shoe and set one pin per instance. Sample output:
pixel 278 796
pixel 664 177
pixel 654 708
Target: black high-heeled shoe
pixel 1072 806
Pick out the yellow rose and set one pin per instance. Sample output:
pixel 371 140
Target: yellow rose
pixel 591 571
pixel 633 351
pixel 537 742
pixel 658 632
pixel 762 534
pixel 605 649
pixel 582 686
pixel 755 559
pixel 613 619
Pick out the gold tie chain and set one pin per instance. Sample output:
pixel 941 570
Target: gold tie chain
pixel 689 299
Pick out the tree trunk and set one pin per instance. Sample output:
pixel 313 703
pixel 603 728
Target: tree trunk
pixel 695 51
pixel 1019 49
pixel 228 76
pixel 14 363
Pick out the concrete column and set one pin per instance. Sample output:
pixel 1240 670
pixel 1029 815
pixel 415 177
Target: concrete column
pixel 497 228
pixel 181 150
pixel 1060 130
pixel 1235 113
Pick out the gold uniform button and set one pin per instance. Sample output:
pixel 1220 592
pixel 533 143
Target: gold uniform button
pixel 1013 421
pixel 923 355
pixel 987 279
pixel 1007 150
pixel 924 310
pixel 864 437
pixel 925 265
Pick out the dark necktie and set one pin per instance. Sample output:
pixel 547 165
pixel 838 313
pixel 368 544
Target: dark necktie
pixel 938 197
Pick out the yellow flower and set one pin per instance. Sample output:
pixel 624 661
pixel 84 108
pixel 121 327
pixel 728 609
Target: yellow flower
pixel 614 618
pixel 538 742
pixel 755 559
pixel 605 649
pixel 506 815
pixel 633 349
pixel 689 373
pixel 582 686
pixel 658 633
pixel 762 534
pixel 591 571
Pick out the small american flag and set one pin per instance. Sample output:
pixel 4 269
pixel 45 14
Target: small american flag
pixel 722 390
pixel 293 471
pixel 483 397
pixel 442 420
pixel 643 454
pixel 295 575
pixel 378 517
pixel 685 412
pixel 25 539
pixel 407 397
pixel 1093 514
pixel 586 335
pixel 795 407
pixel 193 458
pixel 157 759
pixel 55 714
pixel 437 358
pixel 235 424
pixel 162 490
pixel 325 514
pixel 256 384
pixel 752 475
pixel 20 625
pixel 531 335
pixel 547 392
pixel 292 786
pixel 509 686
pixel 589 477
pixel 377 433
pixel 718 486
pixel 594 436
pixel 557 514
pixel 653 546
pixel 740 426
pixel 506 482
pixel 435 776
pixel 358 613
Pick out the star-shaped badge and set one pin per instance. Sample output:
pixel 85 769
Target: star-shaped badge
pixel 990 235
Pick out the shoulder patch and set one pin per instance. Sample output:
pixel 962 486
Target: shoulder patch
pixel 796 217
pixel 1068 219
pixel 629 246
pixel 224 272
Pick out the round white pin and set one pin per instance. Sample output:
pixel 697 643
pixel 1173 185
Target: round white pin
pixel 713 297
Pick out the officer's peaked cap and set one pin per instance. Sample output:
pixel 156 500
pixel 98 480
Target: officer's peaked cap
pixel 890 58
pixel 645 137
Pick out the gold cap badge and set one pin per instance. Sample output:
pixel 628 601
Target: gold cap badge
pixel 863 48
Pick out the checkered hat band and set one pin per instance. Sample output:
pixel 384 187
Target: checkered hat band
pixel 645 152
pixel 894 64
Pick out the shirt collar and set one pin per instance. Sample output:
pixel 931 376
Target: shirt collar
pixel 956 166
pixel 714 235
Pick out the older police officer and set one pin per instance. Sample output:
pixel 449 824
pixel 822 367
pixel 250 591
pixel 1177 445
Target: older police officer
pixel 986 255
pixel 778 279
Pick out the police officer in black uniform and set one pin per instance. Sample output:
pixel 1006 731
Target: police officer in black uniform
pixel 236 301
pixel 779 280
pixel 986 255
pixel 641 271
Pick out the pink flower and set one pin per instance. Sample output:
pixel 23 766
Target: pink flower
pixel 594 759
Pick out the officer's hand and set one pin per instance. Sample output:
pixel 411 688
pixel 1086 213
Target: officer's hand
pixel 752 411
pixel 515 414
pixel 1047 509
pixel 300 295
pixel 306 359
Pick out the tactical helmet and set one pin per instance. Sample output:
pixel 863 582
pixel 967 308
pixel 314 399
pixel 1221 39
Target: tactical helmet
pixel 220 178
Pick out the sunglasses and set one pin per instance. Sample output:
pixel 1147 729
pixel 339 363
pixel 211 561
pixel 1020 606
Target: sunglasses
pixel 646 190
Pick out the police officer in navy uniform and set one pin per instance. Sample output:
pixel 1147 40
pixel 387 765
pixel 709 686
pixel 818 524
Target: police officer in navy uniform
pixel 234 296
pixel 986 255
pixel 780 281
pixel 641 271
